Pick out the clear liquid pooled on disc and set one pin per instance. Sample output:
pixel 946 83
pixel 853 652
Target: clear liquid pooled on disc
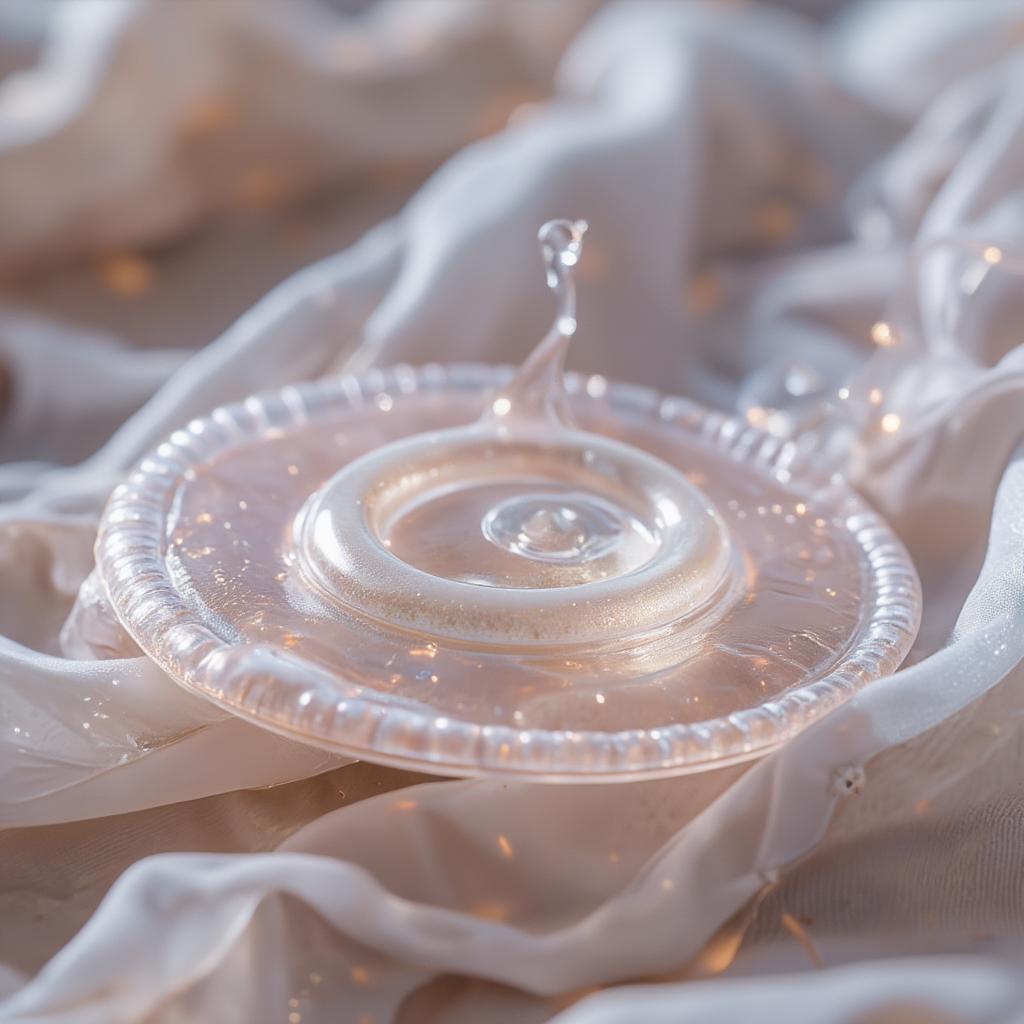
pixel 570 528
pixel 569 536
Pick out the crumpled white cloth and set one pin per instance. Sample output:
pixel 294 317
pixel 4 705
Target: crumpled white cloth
pixel 762 193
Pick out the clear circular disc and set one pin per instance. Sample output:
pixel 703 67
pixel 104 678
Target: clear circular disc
pixel 557 612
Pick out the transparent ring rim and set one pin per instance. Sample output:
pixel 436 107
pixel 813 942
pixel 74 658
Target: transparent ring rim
pixel 668 591
pixel 294 697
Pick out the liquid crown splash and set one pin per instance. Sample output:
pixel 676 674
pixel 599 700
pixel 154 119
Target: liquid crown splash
pixel 519 529
pixel 574 527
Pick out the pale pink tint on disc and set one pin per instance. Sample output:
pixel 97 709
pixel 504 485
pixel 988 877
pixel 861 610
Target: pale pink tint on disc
pixel 465 572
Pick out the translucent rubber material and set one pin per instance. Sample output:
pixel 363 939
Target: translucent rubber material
pixel 792 595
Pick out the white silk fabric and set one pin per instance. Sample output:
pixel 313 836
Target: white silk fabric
pixel 836 202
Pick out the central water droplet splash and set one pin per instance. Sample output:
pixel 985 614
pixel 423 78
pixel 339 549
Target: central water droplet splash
pixel 520 529
pixel 568 528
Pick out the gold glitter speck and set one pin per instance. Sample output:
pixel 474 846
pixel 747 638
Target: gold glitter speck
pixel 491 910
pixel 126 274
pixel 882 334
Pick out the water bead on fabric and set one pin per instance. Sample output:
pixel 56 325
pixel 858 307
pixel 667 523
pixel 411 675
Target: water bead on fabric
pixel 479 571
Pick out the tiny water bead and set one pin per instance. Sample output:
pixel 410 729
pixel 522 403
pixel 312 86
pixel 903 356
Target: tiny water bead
pixel 569 528
pixel 491 571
